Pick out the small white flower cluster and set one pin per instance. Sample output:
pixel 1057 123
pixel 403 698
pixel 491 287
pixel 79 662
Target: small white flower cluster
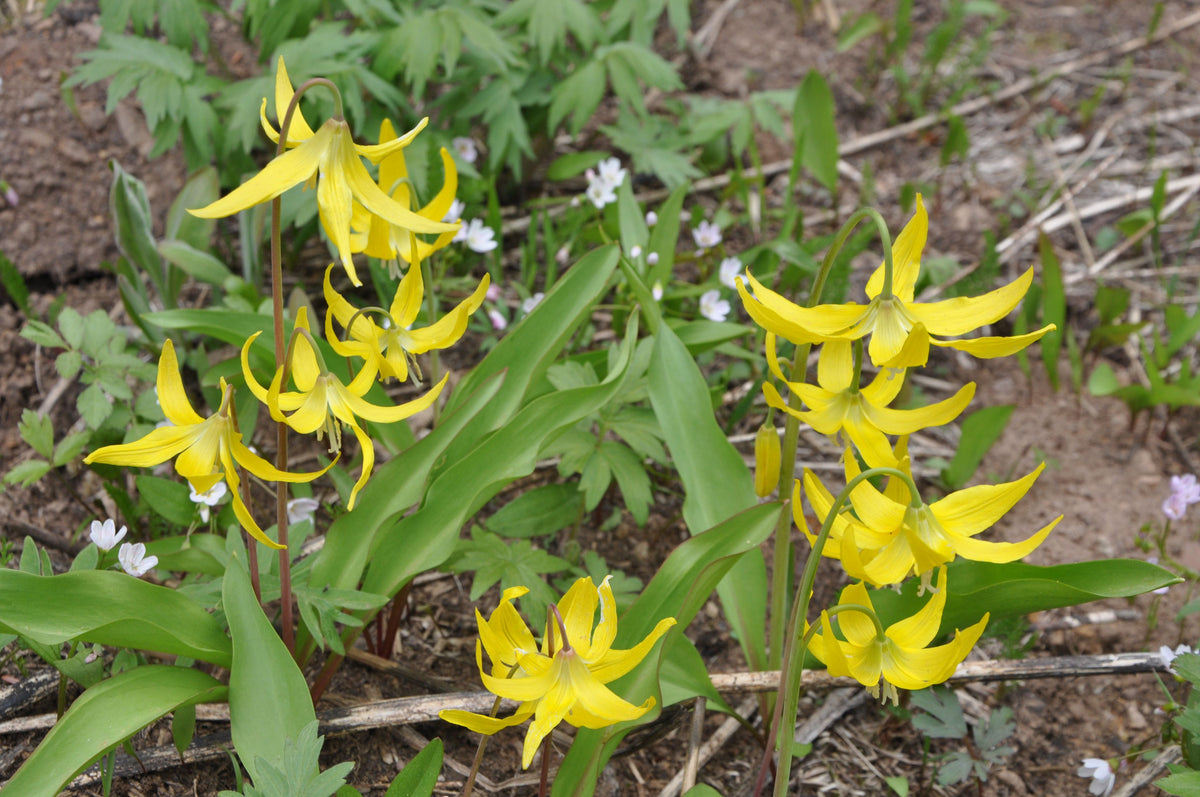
pixel 1185 491
pixel 1103 778
pixel 132 556
pixel 603 182
pixel 479 238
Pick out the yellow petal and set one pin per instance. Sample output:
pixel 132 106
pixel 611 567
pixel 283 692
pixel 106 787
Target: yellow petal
pixel 171 395
pixel 450 327
pixel 962 314
pixel 920 629
pixel 857 626
pixel 154 449
pixel 909 421
pixel 835 366
pixel 287 170
pixel 298 128
pixel 798 324
pixel 335 199
pixel 615 663
pixel 990 347
pixel 606 627
pixel 969 511
pixel 371 412
pixel 377 152
pixel 906 257
pixel 483 724
pixel 406 304
pixel 578 610
pixel 1001 552
pixel 826 647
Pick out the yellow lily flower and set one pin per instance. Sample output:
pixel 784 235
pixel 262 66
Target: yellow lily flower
pixel 331 153
pixel 376 237
pixel 206 449
pixel 388 349
pixel 893 535
pixel 901 329
pixel 321 400
pixel 838 405
pixel 895 657
pixel 564 679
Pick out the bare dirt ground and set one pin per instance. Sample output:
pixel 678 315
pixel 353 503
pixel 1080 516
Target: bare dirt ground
pixel 1106 475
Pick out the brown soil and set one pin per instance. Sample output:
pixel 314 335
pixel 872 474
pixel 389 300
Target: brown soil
pixel 1107 475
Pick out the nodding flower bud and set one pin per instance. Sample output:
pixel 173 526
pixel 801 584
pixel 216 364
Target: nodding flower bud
pixel 766 460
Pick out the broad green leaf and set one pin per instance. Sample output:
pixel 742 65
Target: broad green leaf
pixel 815 129
pixel 683 675
pixel 426 538
pixel 716 481
pixel 538 512
pixel 572 164
pixel 702 790
pixel 1016 589
pixel 14 285
pixel 196 262
pixel 110 608
pixel 420 775
pixel 104 716
pixel 663 236
pixel 130 210
pixel 168 498
pixel 532 345
pixel 395 487
pixel 1182 784
pixel 268 696
pixel 980 430
pixel 679 589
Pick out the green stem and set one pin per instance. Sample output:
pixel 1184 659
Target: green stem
pixel 281 455
pixel 797 641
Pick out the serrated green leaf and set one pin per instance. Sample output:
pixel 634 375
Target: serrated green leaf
pixel 38 431
pixel 944 718
pixel 94 406
pixel 631 478
pixel 68 364
pixel 27 472
pixel 70 323
pixel 43 334
pixel 70 447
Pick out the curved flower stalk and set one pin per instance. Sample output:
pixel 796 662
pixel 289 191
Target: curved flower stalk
pixel 321 402
pixel 564 679
pixel 896 657
pixel 207 450
pixel 901 329
pixel 388 349
pixel 836 404
pixel 330 156
pixel 891 535
pixel 379 238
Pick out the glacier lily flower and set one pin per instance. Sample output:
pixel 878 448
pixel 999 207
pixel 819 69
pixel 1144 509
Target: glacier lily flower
pixel 894 534
pixel 896 657
pixel 565 678
pixel 206 450
pixel 322 403
pixel 329 156
pixel 379 238
pixel 836 403
pixel 901 329
pixel 389 348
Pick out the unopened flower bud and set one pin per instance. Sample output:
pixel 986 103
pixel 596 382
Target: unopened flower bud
pixel 766 460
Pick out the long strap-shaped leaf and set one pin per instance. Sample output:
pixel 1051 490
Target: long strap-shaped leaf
pixel 109 608
pixel 103 717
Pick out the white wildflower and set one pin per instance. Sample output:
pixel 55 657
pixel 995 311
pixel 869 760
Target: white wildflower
pixel 1101 774
pixel 133 559
pixel 706 235
pixel 729 269
pixel 464 148
pixel 105 535
pixel 713 307
pixel 301 509
pixel 480 238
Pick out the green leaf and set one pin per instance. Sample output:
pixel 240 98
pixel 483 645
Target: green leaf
pixel 980 430
pixel 1183 784
pixel 573 164
pixel 94 406
pixel 27 472
pixel 104 716
pixel 420 775
pixel 539 512
pixel 68 363
pixel 130 210
pixel 944 718
pixel 1016 589
pixel 268 696
pixel 183 727
pixel 425 538
pixel 109 608
pixel 579 95
pixel 702 790
pixel 43 334
pixel 716 481
pixel 859 28
pixel 1054 307
pixel 815 130
pixel 14 285
pixel 198 263
pixel 169 498
pixel 38 431
pixel 70 323
pixel 70 447
pixel 631 477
